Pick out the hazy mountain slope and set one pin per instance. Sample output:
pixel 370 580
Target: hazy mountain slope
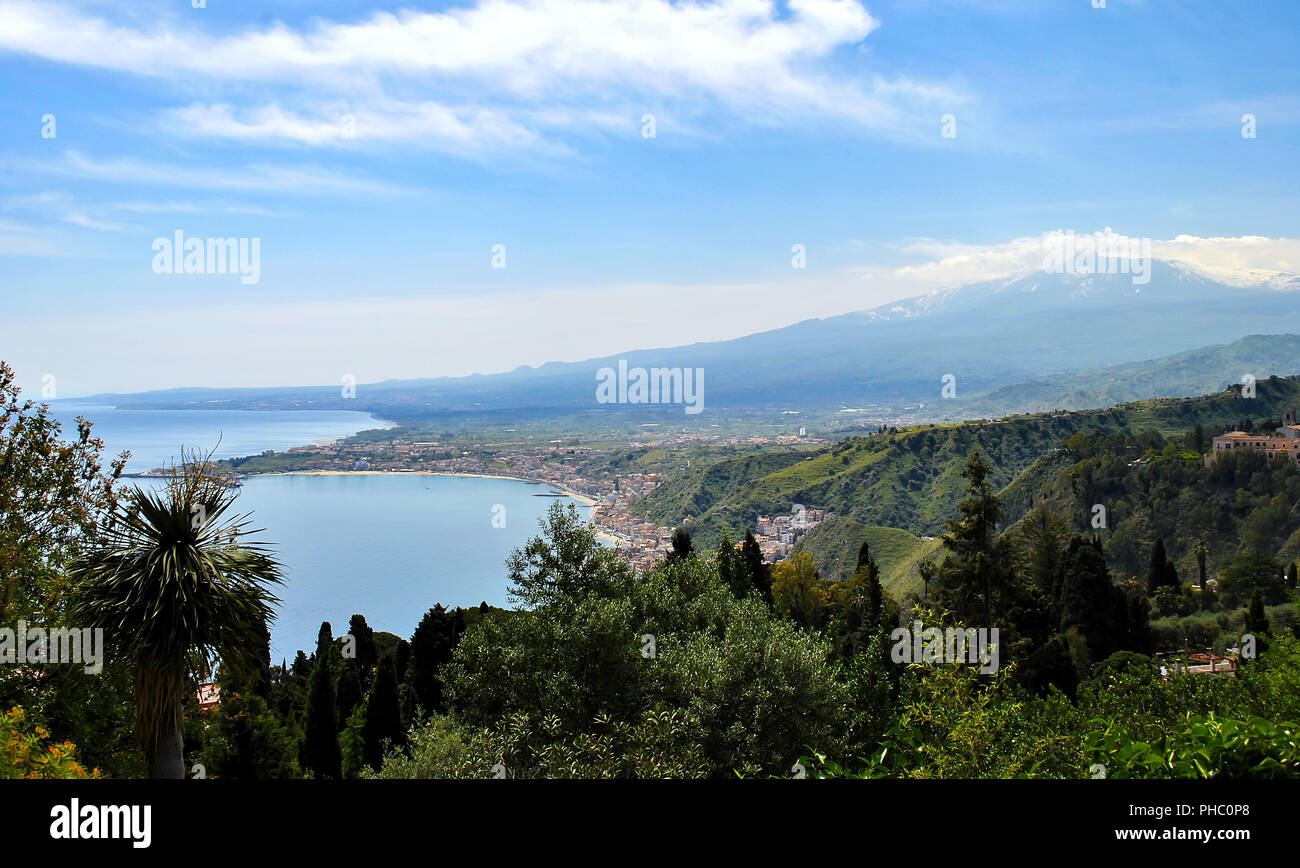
pixel 988 335
pixel 1194 372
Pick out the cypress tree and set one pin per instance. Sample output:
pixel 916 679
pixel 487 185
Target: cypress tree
pixel 432 644
pixel 320 742
pixel 383 715
pixel 1137 622
pixel 1256 619
pixel 351 744
pixel 870 572
pixel 1158 571
pixel 975 579
pixel 260 683
pixel 350 693
pixel 367 655
pixel 760 574
pixel 731 567
pixel 864 554
pixel 403 651
pixel 324 640
pixel 1106 616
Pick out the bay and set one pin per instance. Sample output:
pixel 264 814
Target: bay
pixel 384 545
pixel 388 546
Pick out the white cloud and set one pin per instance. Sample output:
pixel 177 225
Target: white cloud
pixel 1246 252
pixel 87 223
pixel 466 77
pixel 458 130
pixel 526 46
pixel 259 177
pixel 1242 260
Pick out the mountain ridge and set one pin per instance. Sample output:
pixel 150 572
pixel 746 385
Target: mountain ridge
pixel 986 335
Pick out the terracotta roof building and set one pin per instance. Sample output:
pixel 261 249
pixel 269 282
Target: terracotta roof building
pixel 1284 441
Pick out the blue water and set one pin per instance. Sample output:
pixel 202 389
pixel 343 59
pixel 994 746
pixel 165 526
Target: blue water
pixel 385 546
pixel 155 437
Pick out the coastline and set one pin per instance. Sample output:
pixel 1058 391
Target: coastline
pixel 605 535
pixel 388 425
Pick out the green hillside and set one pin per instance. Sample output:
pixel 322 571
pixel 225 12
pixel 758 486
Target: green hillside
pixel 1195 372
pixel 911 480
pixel 695 488
pixel 835 542
pixel 1153 487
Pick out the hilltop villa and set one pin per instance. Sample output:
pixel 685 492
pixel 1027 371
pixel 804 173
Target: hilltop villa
pixel 1285 441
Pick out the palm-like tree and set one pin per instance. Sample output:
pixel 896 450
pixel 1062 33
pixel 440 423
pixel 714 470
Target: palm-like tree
pixel 173 585
pixel 1201 551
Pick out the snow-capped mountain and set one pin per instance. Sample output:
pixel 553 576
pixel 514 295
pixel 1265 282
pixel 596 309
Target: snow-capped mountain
pixel 987 335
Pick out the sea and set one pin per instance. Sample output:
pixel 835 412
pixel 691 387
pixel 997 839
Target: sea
pixel 388 546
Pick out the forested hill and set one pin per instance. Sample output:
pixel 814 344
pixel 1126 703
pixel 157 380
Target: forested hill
pixel 834 545
pixel 1130 490
pixel 1194 372
pixel 911 479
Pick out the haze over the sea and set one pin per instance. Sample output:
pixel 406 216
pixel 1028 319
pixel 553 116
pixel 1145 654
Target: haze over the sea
pixel 155 437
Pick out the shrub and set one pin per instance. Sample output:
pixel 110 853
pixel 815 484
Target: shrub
pixel 25 753
pixel 1202 747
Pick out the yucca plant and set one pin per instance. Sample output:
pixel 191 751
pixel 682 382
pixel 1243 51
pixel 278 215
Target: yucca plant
pixel 173 583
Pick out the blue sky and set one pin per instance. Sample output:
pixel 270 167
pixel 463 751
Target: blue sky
pixel 379 152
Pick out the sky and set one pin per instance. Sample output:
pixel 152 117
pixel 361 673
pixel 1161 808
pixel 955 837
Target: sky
pixel 438 189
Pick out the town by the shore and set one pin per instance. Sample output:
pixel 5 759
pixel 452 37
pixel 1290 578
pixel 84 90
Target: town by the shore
pixel 610 497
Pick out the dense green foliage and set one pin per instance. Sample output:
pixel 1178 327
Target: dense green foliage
pixel 911 479
pixel 1153 488
pixel 1130 722
pixel 54 493
pixel 603 640
pixel 716 664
